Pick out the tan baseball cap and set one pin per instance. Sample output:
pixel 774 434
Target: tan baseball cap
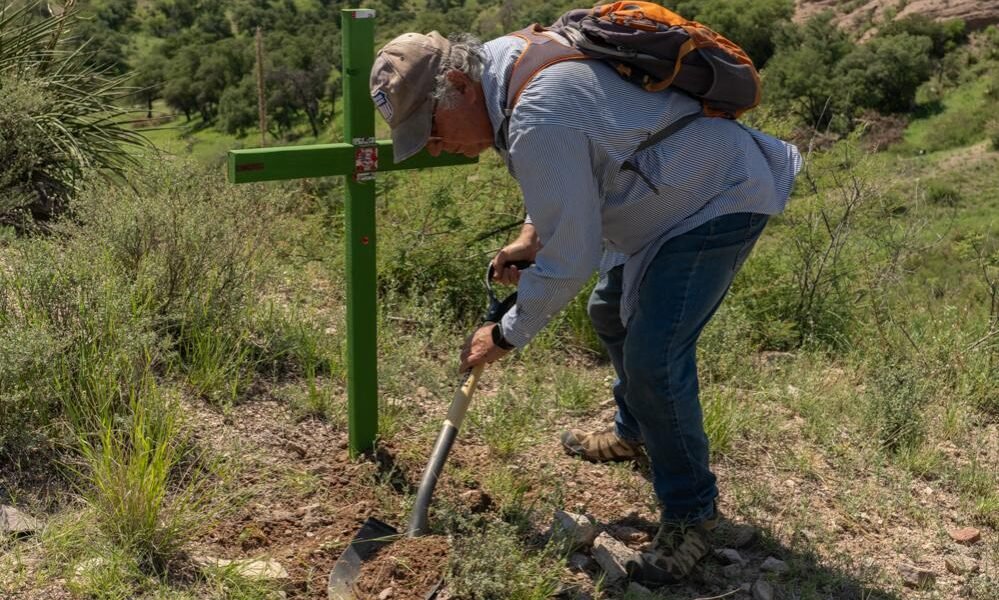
pixel 402 81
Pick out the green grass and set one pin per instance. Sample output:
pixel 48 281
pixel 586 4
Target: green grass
pixel 960 120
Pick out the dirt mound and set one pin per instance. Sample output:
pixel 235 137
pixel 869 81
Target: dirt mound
pixel 853 15
pixel 409 567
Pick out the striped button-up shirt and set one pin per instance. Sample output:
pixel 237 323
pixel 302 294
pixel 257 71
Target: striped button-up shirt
pixel 573 127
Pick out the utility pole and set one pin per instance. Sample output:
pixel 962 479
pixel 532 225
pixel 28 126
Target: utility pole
pixel 261 104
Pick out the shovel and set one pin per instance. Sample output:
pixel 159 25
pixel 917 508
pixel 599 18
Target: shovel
pixel 374 533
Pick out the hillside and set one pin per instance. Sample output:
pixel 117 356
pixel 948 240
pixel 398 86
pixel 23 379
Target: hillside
pixel 977 14
pixel 173 348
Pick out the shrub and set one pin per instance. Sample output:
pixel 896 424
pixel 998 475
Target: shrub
pixel 941 193
pixel 992 131
pixel 885 73
pixel 60 117
pixel 494 565
pixel 896 399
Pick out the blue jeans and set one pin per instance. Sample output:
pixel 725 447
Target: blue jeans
pixel 655 356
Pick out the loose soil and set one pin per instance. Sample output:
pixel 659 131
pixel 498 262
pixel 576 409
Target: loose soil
pixel 410 567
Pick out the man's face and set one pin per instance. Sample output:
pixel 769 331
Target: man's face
pixel 464 128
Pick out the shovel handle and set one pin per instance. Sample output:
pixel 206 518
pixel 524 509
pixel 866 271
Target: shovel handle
pixel 463 397
pixel 455 416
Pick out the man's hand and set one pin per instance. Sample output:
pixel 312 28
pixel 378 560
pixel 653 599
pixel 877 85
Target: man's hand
pixel 480 349
pixel 525 247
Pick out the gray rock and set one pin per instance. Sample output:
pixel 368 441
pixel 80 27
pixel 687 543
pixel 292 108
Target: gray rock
pixel 774 565
pixel 917 577
pixel 762 590
pixel 579 561
pixel 613 557
pixel 728 556
pixel 637 591
pixel 731 571
pixel 15 522
pixel 573 530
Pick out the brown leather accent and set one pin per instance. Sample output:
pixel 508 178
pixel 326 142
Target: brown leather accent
pixel 541 52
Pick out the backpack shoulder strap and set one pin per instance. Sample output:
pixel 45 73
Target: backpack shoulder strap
pixel 542 50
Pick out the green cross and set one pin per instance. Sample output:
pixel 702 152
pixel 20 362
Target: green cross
pixel 358 161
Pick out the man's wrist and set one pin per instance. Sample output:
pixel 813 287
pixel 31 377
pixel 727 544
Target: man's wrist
pixel 499 340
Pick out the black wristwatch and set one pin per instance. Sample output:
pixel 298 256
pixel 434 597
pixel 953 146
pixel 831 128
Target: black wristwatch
pixel 499 340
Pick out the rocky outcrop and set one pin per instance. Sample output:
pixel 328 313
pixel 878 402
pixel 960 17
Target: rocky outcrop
pixel 977 14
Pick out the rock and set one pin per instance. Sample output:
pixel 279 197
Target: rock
pixel 579 561
pixel 728 556
pixel 13 521
pixel 774 565
pixel 386 594
pixel 613 557
pixel 746 588
pixel 574 530
pixel 477 501
pixel 630 535
pixel 16 523
pixel 731 571
pixel 295 448
pixel 732 535
pixel 249 568
pixel 965 535
pixel 960 565
pixel 762 590
pixel 637 591
pixel 917 577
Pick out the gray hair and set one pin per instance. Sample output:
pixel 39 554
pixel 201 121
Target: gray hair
pixel 465 56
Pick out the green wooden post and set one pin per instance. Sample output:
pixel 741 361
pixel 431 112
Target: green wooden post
pixel 358 160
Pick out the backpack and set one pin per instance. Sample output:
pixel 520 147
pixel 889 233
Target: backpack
pixel 651 46
pixel 646 44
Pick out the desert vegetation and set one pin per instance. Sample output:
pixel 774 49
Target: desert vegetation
pixel 172 347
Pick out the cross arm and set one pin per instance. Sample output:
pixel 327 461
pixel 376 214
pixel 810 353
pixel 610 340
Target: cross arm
pixel 323 160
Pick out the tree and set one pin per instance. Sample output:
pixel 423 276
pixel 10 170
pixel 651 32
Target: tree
pixel 945 36
pixel 238 107
pixel 801 77
pixel 298 75
pixel 885 73
pixel 750 24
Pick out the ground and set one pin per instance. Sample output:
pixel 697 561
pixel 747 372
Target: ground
pixel 843 528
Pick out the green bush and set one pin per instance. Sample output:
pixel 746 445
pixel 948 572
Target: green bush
pixel 884 73
pixel 60 116
pixel 896 400
pixel 492 564
pixel 942 194
pixel 72 330
pixel 992 131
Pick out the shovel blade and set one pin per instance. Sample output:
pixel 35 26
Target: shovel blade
pixel 372 536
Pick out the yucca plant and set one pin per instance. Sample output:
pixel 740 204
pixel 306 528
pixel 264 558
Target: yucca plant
pixel 62 117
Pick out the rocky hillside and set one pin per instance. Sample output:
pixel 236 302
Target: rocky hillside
pixel 978 14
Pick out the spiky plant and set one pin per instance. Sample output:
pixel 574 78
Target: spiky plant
pixel 62 117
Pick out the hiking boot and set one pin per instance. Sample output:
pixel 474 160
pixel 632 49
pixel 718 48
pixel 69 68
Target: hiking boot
pixel 600 446
pixel 675 551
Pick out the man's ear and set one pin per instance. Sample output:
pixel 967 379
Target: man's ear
pixel 462 83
